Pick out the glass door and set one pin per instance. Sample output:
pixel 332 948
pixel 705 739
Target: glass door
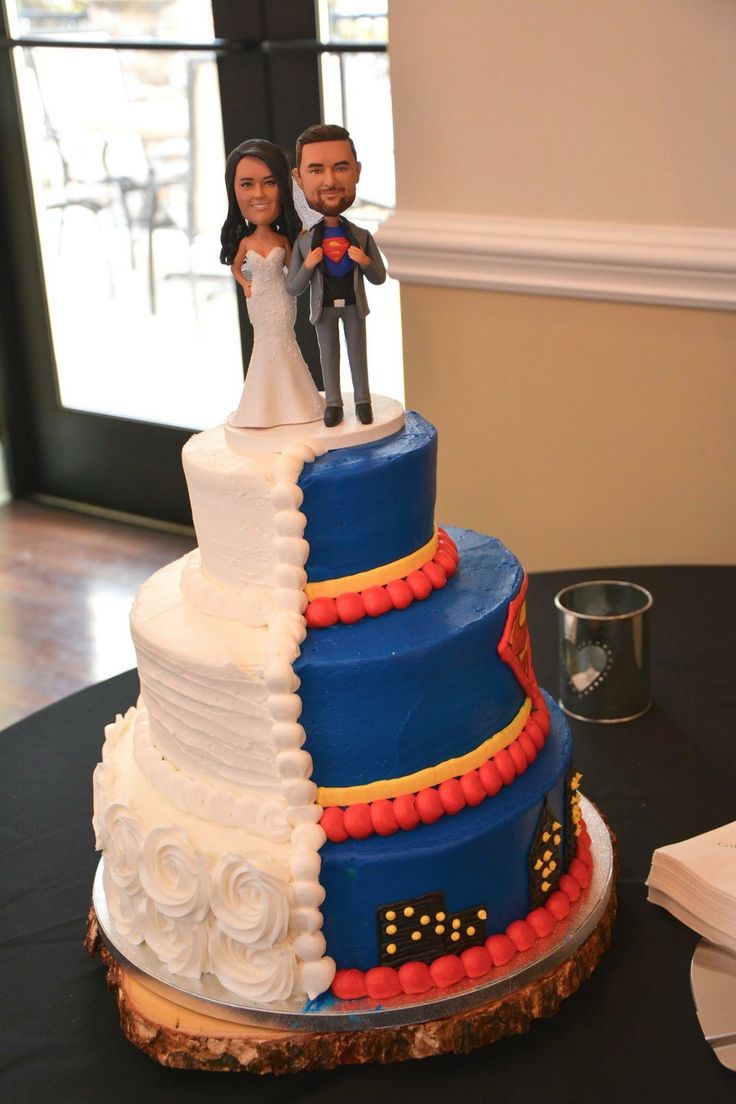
pixel 126 171
pixel 122 331
pixel 356 93
pixel 119 325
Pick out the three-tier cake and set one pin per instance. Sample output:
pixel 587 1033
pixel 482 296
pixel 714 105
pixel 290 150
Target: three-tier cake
pixel 341 773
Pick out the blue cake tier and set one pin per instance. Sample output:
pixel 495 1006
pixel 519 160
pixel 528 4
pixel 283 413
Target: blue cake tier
pixel 478 862
pixel 370 505
pixel 390 696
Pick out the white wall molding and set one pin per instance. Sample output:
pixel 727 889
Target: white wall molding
pixel 679 266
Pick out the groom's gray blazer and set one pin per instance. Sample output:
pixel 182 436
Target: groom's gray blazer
pixel 298 276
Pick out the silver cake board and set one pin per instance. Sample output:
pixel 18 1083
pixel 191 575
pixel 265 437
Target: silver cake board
pixel 209 998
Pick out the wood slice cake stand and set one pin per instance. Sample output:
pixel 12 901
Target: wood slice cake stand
pixel 178 1026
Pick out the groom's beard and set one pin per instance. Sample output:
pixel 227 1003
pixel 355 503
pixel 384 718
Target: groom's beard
pixel 333 202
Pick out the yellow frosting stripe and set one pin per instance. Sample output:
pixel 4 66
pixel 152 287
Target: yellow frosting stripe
pixel 430 776
pixel 377 576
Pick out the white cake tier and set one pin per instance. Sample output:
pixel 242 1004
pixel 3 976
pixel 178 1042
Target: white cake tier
pixel 202 680
pixel 205 895
pixel 245 497
pixel 204 805
pixel 246 513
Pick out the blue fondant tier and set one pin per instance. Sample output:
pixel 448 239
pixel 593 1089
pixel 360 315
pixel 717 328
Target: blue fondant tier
pixel 477 859
pixel 370 505
pixel 389 696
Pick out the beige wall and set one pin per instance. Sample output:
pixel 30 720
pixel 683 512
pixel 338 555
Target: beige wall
pixel 583 433
pixel 607 110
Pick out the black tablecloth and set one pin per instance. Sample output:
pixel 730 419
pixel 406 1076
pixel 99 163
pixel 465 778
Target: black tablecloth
pixel 629 1033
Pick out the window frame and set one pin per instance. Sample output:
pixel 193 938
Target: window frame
pixel 268 68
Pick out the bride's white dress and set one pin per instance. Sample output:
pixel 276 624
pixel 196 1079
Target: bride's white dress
pixel 278 389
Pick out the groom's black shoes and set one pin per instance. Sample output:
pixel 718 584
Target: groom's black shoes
pixel 333 415
pixel 364 412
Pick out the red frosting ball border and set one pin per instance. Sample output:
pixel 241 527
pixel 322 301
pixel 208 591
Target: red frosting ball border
pixel 415 978
pixel 388 815
pixel 374 601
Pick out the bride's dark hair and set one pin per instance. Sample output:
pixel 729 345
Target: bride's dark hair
pixel 235 227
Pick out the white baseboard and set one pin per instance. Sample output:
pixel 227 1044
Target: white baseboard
pixel 674 265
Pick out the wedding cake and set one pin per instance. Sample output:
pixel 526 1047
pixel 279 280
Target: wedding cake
pixel 341 775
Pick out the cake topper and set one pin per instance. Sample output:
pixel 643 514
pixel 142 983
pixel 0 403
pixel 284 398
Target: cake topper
pixel 257 238
pixel 333 259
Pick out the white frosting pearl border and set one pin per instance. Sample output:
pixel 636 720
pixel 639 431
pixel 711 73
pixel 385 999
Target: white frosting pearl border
pixel 287 629
pixel 288 956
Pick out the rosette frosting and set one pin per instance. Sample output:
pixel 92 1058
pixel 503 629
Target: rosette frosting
pixel 213 847
pixel 178 943
pixel 100 780
pixel 262 974
pixel 250 905
pixel 126 909
pixel 121 838
pixel 174 876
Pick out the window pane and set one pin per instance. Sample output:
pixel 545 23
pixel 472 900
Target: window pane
pixel 191 19
pixel 354 20
pixel 127 160
pixel 356 93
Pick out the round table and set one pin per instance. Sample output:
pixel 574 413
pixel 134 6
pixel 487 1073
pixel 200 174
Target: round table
pixel 629 1033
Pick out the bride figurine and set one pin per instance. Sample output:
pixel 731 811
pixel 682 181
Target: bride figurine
pixel 257 236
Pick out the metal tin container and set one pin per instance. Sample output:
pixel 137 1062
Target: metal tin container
pixel 604 650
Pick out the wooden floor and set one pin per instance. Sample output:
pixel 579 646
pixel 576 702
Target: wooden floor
pixel 66 585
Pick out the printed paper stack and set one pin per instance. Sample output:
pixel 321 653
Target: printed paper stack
pixel 696 881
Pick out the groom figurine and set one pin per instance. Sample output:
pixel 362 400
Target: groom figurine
pixel 333 258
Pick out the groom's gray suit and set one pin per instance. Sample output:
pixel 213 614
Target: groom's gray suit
pixel 325 318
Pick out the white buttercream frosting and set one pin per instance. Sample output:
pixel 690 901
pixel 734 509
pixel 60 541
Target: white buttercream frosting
pixel 204 804
pixel 181 944
pixel 250 606
pixel 286 632
pixel 127 909
pixel 264 815
pixel 316 977
pixel 99 805
pixel 174 875
pixel 170 876
pixel 232 509
pixel 121 837
pixel 250 905
pixel 260 974
pixel 202 682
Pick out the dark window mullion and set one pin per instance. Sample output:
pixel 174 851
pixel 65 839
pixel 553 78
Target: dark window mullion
pixel 25 336
pixel 268 63
pixel 274 94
